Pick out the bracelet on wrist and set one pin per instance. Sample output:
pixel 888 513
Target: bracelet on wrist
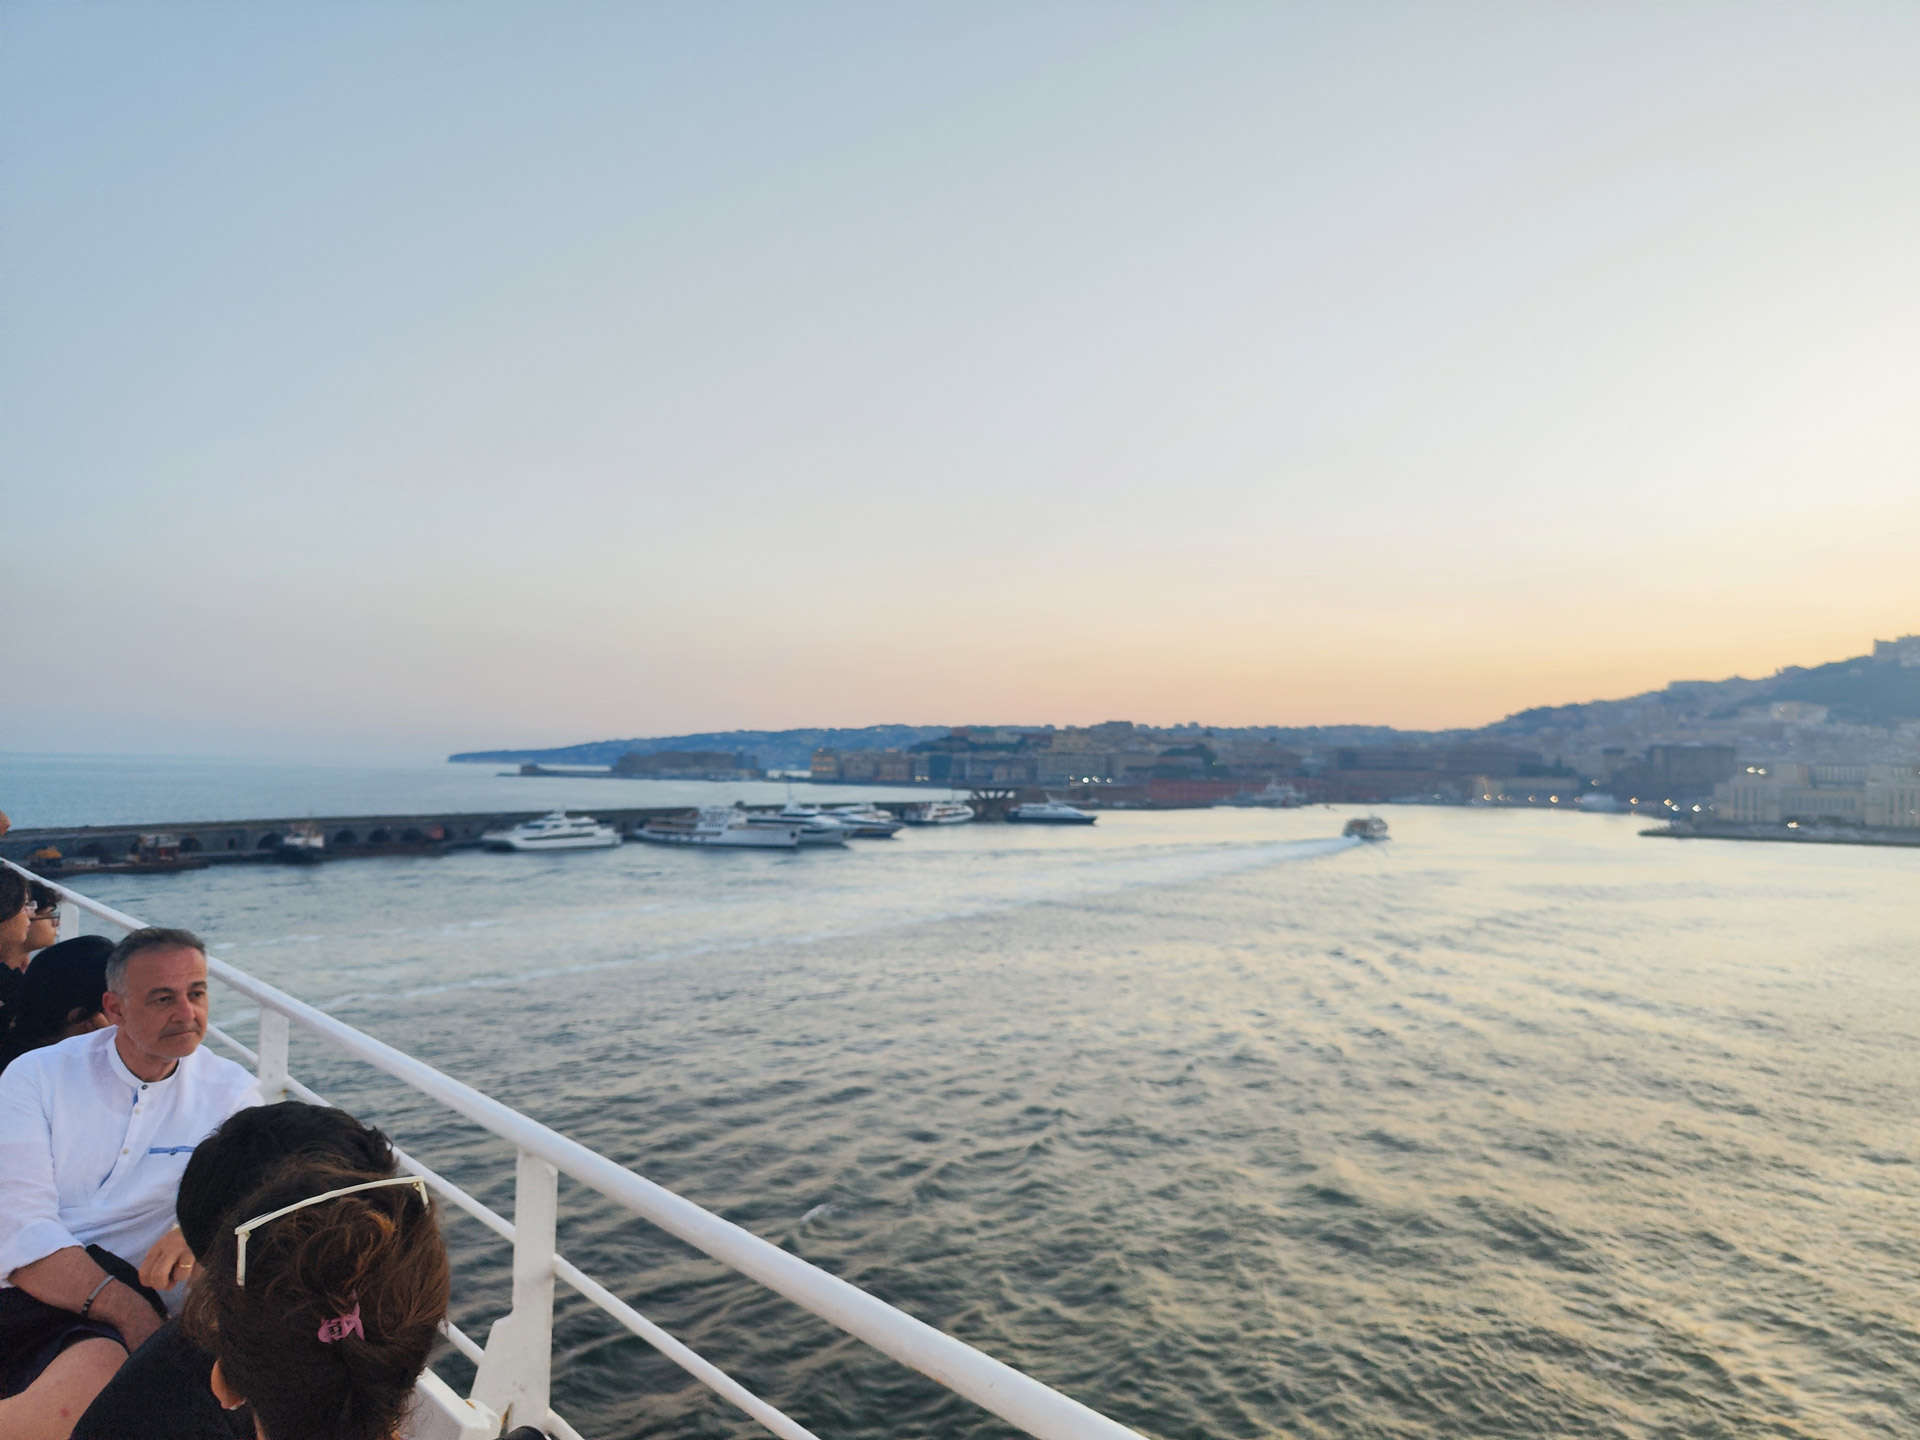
pixel 86 1306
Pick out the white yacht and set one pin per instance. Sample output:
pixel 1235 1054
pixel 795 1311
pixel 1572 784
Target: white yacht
pixel 939 812
pixel 558 831
pixel 807 822
pixel 1049 812
pixel 721 827
pixel 866 821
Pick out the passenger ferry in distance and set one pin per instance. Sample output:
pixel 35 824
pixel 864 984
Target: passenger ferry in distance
pixel 515 1362
pixel 558 831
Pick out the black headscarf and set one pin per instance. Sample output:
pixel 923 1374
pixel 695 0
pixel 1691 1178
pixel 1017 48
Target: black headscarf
pixel 62 978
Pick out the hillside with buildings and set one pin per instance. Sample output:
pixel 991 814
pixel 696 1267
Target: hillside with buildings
pixel 770 749
pixel 1837 742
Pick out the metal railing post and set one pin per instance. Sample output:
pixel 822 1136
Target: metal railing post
pixel 516 1373
pixel 272 1069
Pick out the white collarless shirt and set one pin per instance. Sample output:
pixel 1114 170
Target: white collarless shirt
pixel 91 1154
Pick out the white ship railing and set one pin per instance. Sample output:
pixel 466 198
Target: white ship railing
pixel 514 1378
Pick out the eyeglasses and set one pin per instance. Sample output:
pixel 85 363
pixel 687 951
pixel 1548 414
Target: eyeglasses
pixel 241 1232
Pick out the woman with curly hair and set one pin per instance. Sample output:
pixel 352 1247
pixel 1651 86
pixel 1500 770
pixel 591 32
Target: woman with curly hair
pixel 322 1303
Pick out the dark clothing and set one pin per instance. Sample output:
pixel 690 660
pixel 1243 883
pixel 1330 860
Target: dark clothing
pixel 163 1392
pixel 10 979
pixel 33 1333
pixel 63 978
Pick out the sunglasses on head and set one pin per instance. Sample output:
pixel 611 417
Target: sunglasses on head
pixel 241 1232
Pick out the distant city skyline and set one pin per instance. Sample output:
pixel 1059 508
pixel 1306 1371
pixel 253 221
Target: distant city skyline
pixel 400 380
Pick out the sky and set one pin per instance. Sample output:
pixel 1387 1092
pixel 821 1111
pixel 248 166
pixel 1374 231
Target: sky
pixel 391 379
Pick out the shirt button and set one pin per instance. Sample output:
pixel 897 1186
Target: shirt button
pixel 126 1152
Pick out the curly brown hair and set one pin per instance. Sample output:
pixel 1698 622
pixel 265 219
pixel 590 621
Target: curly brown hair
pixel 379 1251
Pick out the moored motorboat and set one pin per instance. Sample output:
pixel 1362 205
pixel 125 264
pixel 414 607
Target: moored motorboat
pixel 807 822
pixel 938 812
pixel 302 845
pixel 720 828
pixel 866 821
pixel 1049 812
pixel 558 831
pixel 1366 827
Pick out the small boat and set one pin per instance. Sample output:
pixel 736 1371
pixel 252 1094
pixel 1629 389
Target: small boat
pixel 558 831
pixel 866 821
pixel 720 828
pixel 1049 812
pixel 1366 827
pixel 302 845
pixel 807 822
pixel 938 812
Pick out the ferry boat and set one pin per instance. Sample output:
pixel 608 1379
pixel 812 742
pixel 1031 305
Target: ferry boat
pixel 1366 827
pixel 720 827
pixel 938 812
pixel 515 1364
pixel 1049 812
pixel 558 831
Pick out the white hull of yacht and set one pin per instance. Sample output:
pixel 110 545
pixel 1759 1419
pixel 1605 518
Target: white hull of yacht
pixel 604 839
pixel 558 831
pixel 731 837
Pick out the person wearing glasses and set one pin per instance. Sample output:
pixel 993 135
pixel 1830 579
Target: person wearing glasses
pixel 44 930
pixel 95 1133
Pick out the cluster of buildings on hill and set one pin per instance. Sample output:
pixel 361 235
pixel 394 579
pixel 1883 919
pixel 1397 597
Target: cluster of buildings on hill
pixel 1724 750
pixel 1839 743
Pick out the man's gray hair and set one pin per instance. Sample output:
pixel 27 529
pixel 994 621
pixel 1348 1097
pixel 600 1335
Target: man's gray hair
pixel 154 937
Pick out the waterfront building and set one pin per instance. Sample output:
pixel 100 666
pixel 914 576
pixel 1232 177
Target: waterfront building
pixel 1876 796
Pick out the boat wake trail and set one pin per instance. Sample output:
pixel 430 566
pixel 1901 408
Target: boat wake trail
pixel 850 911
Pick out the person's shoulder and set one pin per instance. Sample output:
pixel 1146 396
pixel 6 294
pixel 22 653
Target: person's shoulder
pixel 217 1072
pixel 45 1066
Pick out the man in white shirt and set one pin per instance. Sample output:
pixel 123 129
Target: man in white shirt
pixel 94 1135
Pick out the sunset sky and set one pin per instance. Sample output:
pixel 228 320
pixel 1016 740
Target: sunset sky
pixel 390 379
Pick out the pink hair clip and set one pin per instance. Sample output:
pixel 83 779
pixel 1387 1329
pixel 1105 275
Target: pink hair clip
pixel 342 1326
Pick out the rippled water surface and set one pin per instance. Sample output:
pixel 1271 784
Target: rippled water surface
pixel 1518 1125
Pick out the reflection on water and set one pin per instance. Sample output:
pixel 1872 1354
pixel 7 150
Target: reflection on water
pixel 1518 1125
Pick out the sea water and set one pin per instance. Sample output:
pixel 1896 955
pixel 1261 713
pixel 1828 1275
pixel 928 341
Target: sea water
pixel 1518 1124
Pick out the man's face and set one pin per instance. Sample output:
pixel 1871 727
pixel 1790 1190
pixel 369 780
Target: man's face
pixel 164 1012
